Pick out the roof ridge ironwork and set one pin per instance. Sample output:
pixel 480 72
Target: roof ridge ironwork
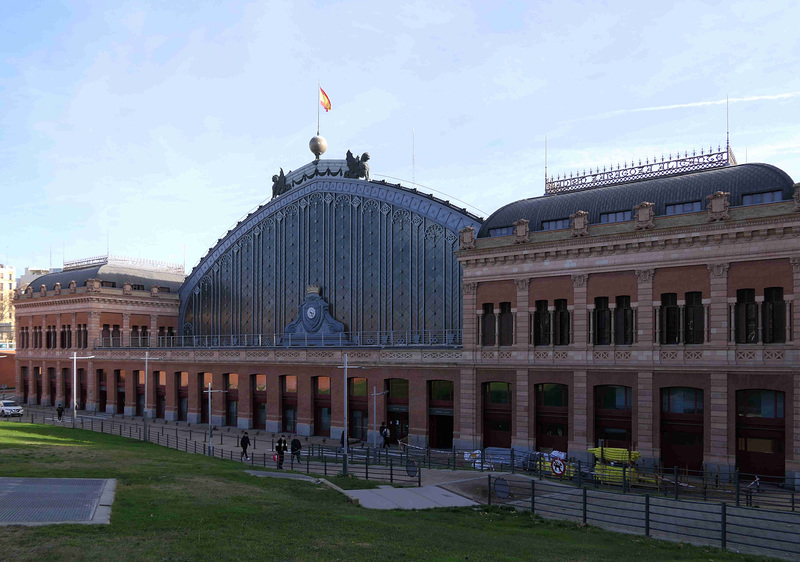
pixel 686 164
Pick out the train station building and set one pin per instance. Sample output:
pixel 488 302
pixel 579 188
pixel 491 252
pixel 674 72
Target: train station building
pixel 649 307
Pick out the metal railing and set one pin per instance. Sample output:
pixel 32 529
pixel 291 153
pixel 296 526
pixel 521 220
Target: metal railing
pixel 740 529
pixel 394 338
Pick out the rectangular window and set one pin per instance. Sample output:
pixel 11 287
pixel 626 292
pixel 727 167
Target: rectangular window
pixel 232 381
pixel 561 322
pixel 558 224
pixel 693 318
pixel 541 324
pixel 289 383
pixel 358 387
pixel 162 378
pixel 441 391
pixel 614 397
pixel 681 400
pixel 260 383
pixel 552 395
pixel 773 314
pixel 602 321
pixel 681 208
pixel 322 385
pixel 506 327
pixel 487 324
pixel 623 321
pixel 184 379
pixel 619 216
pixel 746 316
pixel 498 393
pixel 398 389
pixel 764 197
pixel 670 318
pixel 760 404
pixel 504 231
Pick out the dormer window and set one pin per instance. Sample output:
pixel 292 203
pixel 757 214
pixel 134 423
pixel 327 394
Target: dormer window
pixel 764 197
pixel 681 208
pixel 504 231
pixel 559 224
pixel 619 216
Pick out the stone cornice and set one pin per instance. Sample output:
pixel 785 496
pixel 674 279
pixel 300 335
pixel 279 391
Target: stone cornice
pixel 80 303
pixel 634 242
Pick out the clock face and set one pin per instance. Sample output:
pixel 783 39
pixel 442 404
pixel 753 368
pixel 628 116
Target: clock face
pixel 311 313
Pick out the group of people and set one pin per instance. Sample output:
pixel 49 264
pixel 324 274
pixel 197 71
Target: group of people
pixel 281 446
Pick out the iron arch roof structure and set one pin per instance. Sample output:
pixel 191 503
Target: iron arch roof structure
pixel 381 255
pixel 737 180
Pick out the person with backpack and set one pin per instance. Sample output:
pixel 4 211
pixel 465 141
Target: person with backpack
pixel 385 435
pixel 281 447
pixel 60 412
pixel 296 446
pixel 244 442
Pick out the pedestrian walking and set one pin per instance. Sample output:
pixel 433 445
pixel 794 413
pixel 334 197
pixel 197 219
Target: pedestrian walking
pixel 60 412
pixel 385 435
pixel 341 442
pixel 295 448
pixel 244 442
pixel 281 447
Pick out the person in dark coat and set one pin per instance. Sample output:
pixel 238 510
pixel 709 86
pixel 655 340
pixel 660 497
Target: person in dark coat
pixel 296 446
pixel 60 412
pixel 385 434
pixel 281 447
pixel 244 442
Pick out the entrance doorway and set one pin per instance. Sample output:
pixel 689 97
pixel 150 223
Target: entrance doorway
pixel 612 416
pixel 440 414
pixel 497 415
pixel 760 432
pixel 552 417
pixel 682 428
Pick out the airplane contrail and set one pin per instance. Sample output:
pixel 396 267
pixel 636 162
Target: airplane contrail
pixel 690 104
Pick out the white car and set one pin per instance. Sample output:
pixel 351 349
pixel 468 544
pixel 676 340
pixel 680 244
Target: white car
pixel 10 408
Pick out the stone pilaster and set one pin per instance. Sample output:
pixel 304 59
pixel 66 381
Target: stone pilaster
pixel 468 436
pixel 718 310
pixel 469 318
pixel 522 329
pixel 580 283
pixel 644 310
pixel 126 329
pixel 718 452
pixel 643 428
pixel 93 328
pixel 244 419
pixel 417 412
pixel 793 446
pixel 74 332
pixel 523 415
pixel 794 322
pixel 153 330
pixel 579 420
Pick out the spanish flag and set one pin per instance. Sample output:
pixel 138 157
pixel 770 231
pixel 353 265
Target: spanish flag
pixel 324 100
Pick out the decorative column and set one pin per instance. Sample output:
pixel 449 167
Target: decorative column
pixel 523 415
pixel 643 436
pixel 794 321
pixel 579 419
pixel 470 328
pixel 719 452
pixel 126 330
pixel 718 310
pixel 645 319
pixel 580 282
pixel 467 436
pixel 522 327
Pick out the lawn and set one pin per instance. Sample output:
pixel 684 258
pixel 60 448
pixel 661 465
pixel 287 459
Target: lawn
pixel 175 506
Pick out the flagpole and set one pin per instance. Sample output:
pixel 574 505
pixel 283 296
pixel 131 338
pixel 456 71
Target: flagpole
pixel 319 88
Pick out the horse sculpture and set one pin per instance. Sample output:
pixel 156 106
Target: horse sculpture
pixel 357 167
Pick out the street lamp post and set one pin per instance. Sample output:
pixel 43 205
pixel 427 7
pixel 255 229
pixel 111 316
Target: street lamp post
pixel 146 379
pixel 375 394
pixel 75 384
pixel 210 425
pixel 344 437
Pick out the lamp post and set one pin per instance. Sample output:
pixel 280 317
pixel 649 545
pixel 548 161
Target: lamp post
pixel 75 384
pixel 344 438
pixel 210 425
pixel 375 394
pixel 146 379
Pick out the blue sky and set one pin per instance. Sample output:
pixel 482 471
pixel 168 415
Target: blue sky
pixel 152 127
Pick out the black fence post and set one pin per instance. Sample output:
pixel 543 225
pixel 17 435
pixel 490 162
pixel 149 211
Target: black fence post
pixel 580 475
pixel 624 479
pixel 419 477
pixel 675 473
pixel 512 461
pixel 325 464
pixel 308 460
pixel 533 496
pixel 483 457
pixel 366 466
pixel 391 471
pixel 724 525
pixel 736 484
pixel 647 515
pixel 584 506
pixel 489 489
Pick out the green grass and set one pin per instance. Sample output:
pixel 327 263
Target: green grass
pixel 176 506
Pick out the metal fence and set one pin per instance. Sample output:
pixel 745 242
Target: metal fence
pixel 741 529
pixel 365 463
pixel 391 338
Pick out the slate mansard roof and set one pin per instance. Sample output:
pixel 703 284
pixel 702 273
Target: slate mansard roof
pixel 737 180
pixel 111 273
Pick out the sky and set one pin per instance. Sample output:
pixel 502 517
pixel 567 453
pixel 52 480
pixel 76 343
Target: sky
pixel 148 129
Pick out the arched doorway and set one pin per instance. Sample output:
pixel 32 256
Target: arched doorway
pixel 497 414
pixel 682 428
pixel 552 417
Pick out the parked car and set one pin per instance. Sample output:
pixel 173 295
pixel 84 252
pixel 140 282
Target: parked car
pixel 10 408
